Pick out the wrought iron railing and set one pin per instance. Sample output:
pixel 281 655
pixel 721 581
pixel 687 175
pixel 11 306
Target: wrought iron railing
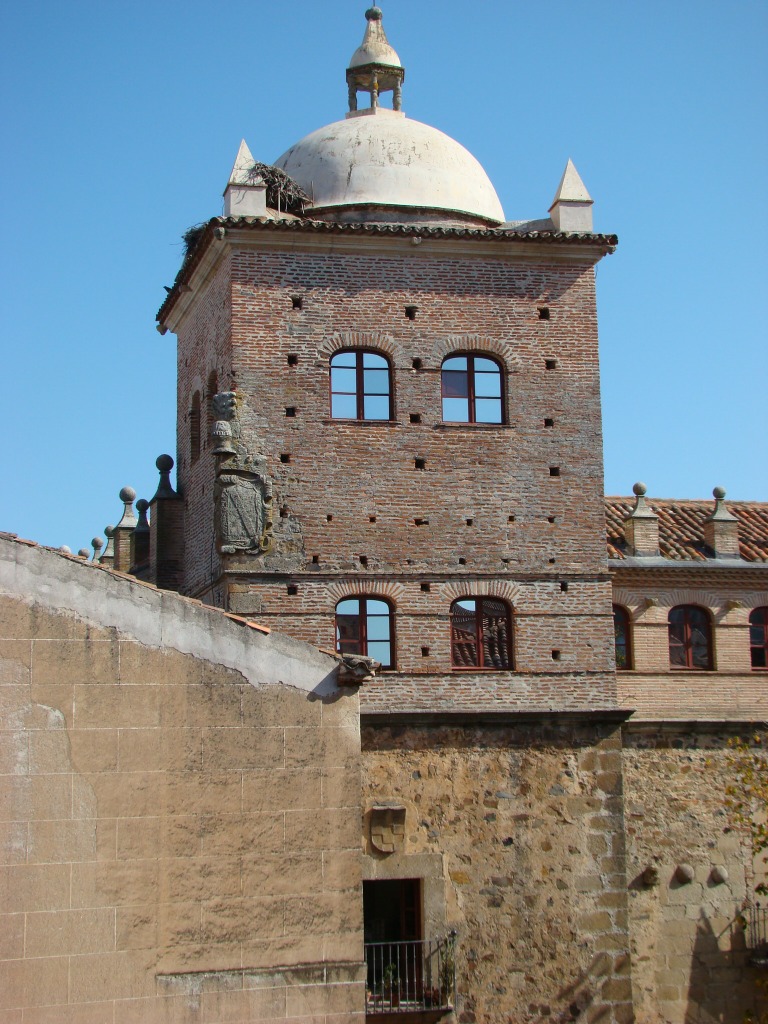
pixel 757 934
pixel 407 976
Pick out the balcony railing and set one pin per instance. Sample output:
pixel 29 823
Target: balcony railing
pixel 404 977
pixel 757 935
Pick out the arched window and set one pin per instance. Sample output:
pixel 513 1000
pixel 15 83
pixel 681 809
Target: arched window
pixel 758 637
pixel 690 637
pixel 364 625
pixel 194 428
pixel 621 635
pixel 471 387
pixel 481 633
pixel 361 386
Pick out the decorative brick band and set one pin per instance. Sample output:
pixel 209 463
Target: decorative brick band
pixel 360 339
pixel 353 588
pixel 443 347
pixel 483 588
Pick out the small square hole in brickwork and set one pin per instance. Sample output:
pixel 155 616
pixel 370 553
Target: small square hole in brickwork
pixel 315 559
pixel 555 655
pixel 425 652
pixel 420 463
pixel 554 471
pixel 549 422
pixel 329 518
pixel 462 561
pixel 551 561
pixel 411 311
pixel 551 364
pixel 470 522
pixel 543 312
pixel 506 561
pixel 564 586
pixel 293 359
pixel 419 521
pixel 363 559
pixel 297 302
pixel 371 519
pixel 290 410
pixel 292 588
pixel 426 587
pixel 510 519
pixel 417 364
pixel 550 519
pixel 283 511
pixel 415 417
pixel 285 457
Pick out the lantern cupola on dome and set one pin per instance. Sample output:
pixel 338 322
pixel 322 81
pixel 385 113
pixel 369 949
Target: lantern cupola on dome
pixel 375 67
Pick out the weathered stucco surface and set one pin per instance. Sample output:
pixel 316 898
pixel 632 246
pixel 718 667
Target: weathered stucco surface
pixel 178 844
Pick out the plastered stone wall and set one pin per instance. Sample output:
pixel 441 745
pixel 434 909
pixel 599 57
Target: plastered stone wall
pixel 180 839
pixel 520 827
pixel 689 961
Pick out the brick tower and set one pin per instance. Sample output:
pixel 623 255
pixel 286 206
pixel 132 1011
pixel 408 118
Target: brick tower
pixel 413 412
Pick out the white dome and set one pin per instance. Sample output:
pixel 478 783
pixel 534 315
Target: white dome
pixel 383 159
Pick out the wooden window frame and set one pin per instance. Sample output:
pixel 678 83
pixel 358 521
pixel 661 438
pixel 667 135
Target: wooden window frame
pixel 360 392
pixel 471 396
pixel 687 645
pixel 479 634
pixel 362 623
pixel 758 618
pixel 621 612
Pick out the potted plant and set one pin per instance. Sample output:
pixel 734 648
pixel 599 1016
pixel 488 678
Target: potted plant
pixel 391 984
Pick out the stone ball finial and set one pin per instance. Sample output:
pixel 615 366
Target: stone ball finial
pixel 109 530
pixel 97 543
pixel 142 505
pixel 164 463
pixel 83 553
pixel 718 493
pixel 374 14
pixel 127 494
pixel 65 549
pixel 639 489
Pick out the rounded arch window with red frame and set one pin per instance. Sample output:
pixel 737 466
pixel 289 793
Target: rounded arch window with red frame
pixel 472 389
pixel 365 625
pixel 481 633
pixel 622 638
pixel 690 638
pixel 361 386
pixel 758 637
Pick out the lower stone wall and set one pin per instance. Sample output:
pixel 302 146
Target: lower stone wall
pixel 517 832
pixel 689 958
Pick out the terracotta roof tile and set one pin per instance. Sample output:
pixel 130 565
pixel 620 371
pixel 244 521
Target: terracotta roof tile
pixel 681 527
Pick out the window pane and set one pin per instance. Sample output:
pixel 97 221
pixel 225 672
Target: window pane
pixel 348 632
pixel 371 359
pixel 343 407
pixel 456 410
pixel 375 408
pixel 484 365
pixel 376 382
pixel 344 381
pixel 381 651
pixel 467 604
pixel 349 607
pixel 488 410
pixel 455 385
pixel 344 359
pixel 759 657
pixel 488 385
pixel 455 363
pixel 676 642
pixel 378 627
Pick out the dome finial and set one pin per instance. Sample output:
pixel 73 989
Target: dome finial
pixel 375 67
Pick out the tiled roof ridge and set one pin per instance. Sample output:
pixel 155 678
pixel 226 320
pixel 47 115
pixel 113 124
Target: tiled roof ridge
pixel 681 527
pixel 406 230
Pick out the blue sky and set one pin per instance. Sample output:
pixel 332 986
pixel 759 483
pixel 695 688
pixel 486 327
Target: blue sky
pixel 121 122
